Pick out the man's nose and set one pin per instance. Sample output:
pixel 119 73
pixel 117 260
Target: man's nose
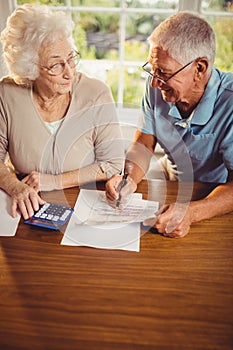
pixel 155 82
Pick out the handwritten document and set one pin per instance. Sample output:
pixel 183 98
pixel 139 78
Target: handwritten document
pixel 136 210
pixel 8 224
pixel 95 224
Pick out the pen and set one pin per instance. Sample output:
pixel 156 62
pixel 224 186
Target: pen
pixel 121 185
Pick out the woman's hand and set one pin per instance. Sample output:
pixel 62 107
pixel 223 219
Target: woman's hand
pixel 26 200
pixel 172 220
pixel 43 182
pixel 112 189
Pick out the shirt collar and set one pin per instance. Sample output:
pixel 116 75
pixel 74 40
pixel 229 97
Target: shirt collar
pixel 204 109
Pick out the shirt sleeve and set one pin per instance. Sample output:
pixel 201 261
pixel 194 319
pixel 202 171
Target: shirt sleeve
pixel 146 122
pixel 108 140
pixel 227 148
pixel 3 132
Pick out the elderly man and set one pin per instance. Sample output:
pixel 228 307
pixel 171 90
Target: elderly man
pixel 187 108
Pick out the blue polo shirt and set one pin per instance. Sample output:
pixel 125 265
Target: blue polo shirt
pixel 201 148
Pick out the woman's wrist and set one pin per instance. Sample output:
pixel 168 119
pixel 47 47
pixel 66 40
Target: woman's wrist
pixel 57 182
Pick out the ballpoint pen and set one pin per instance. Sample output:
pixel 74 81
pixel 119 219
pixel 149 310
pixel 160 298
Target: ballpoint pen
pixel 121 185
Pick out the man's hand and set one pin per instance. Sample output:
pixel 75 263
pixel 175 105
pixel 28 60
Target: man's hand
pixel 112 189
pixel 172 220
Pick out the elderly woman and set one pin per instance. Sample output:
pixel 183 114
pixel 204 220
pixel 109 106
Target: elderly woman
pixel 59 127
pixel 188 110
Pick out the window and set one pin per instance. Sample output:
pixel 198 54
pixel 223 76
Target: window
pixel 220 15
pixel 114 34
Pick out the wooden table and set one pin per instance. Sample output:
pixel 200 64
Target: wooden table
pixel 173 294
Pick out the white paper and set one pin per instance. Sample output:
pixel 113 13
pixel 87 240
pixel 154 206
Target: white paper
pixel 124 238
pixel 136 210
pixel 8 224
pixel 104 233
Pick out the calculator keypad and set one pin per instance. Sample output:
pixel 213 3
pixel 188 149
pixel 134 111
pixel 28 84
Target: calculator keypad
pixel 53 212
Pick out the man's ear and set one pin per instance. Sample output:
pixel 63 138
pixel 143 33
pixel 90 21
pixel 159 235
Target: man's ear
pixel 202 65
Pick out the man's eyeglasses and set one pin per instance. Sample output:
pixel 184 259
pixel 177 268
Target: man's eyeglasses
pixel 159 75
pixel 58 68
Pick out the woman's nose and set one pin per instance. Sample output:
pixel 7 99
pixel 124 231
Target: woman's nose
pixel 68 71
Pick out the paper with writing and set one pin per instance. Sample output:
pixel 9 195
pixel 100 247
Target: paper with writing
pixel 105 232
pixel 136 210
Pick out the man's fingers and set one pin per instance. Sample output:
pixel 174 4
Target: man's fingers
pixel 150 222
pixel 110 197
pixel 111 187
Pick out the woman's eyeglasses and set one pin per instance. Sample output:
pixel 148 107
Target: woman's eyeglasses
pixel 59 67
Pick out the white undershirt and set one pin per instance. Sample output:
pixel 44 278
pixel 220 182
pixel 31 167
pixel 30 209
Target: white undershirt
pixel 186 123
pixel 54 126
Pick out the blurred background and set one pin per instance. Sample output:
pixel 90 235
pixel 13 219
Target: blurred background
pixel 111 36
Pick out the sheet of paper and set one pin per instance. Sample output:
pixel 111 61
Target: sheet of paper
pixel 8 224
pixel 96 210
pixel 93 225
pixel 124 238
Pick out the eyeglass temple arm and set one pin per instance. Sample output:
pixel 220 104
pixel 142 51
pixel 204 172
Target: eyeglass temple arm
pixel 179 70
pixel 145 64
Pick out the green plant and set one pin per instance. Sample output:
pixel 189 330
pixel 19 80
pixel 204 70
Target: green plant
pixel 224 51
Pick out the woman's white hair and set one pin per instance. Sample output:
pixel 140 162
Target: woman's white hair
pixel 185 36
pixel 27 28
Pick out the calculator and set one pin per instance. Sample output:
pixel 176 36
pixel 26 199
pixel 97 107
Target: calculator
pixel 51 215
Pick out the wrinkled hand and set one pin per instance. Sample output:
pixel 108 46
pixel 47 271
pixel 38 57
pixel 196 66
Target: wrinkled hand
pixel 172 220
pixel 26 200
pixel 43 182
pixel 112 190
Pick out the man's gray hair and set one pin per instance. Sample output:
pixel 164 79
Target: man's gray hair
pixel 185 36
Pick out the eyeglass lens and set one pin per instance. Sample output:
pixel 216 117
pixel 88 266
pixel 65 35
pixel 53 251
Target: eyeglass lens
pixel 58 68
